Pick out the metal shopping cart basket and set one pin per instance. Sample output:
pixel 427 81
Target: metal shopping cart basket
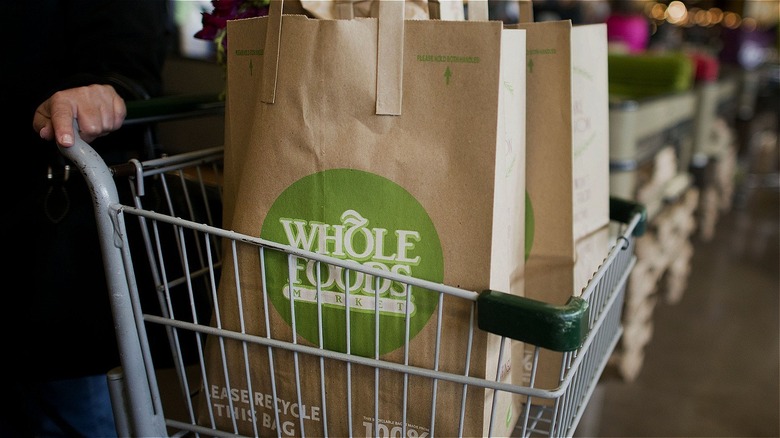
pixel 167 243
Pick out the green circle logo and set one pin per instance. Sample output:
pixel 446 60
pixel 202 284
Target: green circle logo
pixel 352 215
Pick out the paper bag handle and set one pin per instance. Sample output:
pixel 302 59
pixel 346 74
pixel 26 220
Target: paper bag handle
pixel 478 9
pixel 390 55
pixel 345 9
pixel 526 11
pixel 390 58
pixel 273 35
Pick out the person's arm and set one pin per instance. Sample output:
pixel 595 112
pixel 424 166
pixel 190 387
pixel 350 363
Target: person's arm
pixel 116 50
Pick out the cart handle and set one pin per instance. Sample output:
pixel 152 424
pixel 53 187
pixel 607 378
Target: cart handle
pixel 174 107
pixel 162 109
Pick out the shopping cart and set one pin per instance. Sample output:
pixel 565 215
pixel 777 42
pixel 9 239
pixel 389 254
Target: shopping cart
pixel 166 242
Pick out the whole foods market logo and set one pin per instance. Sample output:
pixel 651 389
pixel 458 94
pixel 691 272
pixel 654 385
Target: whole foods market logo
pixel 359 216
pixel 351 239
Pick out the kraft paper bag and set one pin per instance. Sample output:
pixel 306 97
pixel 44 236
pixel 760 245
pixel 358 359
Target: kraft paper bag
pixel 398 144
pixel 567 159
pixel 567 133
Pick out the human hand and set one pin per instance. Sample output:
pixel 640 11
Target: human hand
pixel 98 109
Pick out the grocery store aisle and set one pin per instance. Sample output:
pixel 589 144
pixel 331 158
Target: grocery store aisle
pixel 711 368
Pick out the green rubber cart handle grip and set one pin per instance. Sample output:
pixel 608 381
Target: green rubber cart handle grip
pixel 158 109
pixel 557 328
pixel 622 210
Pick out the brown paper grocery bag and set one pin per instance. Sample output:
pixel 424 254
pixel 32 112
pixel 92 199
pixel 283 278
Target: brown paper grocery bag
pixel 567 133
pixel 404 154
pixel 567 153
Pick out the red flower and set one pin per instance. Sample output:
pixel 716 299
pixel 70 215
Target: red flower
pixel 214 23
pixel 226 8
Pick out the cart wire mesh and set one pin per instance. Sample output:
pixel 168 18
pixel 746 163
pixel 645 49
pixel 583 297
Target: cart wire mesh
pixel 163 252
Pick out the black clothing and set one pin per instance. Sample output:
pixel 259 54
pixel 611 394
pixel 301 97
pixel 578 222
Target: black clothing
pixel 58 323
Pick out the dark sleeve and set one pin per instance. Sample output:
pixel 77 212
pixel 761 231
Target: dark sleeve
pixel 120 42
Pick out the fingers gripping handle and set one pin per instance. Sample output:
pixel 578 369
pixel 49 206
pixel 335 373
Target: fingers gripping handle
pixel 91 164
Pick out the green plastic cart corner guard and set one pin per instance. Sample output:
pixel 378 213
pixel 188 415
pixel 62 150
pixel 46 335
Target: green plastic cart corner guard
pixel 622 210
pixel 558 328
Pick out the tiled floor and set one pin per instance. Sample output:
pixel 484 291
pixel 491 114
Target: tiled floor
pixel 711 367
